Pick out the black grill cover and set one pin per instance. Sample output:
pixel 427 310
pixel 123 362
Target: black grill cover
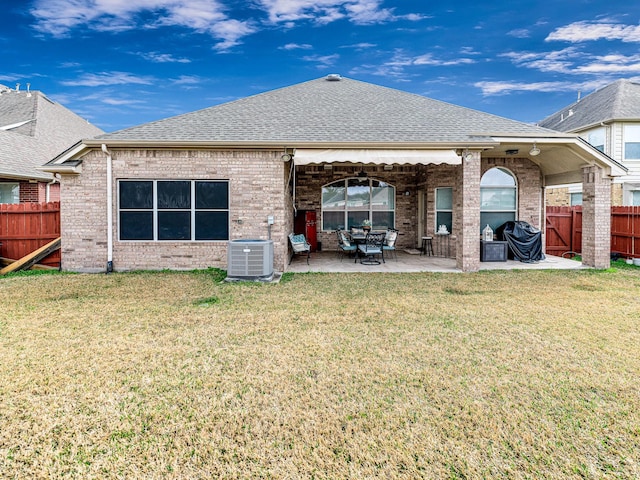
pixel 524 240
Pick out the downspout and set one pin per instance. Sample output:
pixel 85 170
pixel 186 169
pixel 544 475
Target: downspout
pixel 48 191
pixel 109 210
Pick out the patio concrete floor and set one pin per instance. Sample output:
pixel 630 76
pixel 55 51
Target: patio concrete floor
pixel 330 262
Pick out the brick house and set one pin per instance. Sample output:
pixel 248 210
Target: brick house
pixel 173 193
pixel 33 129
pixel 609 119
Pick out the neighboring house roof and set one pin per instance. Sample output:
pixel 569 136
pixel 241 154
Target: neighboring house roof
pixel 617 101
pixel 33 130
pixel 337 112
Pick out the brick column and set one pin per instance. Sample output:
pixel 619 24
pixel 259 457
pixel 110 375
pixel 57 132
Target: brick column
pixel 596 218
pixel 467 214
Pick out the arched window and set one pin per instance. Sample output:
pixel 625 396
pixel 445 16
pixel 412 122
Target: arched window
pixel 346 203
pixel 498 198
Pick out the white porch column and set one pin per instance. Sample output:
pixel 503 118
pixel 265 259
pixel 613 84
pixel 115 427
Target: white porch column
pixel 596 218
pixel 467 221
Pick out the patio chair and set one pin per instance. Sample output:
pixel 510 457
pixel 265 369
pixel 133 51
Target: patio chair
pixel 345 243
pixel 299 245
pixel 371 247
pixel 389 244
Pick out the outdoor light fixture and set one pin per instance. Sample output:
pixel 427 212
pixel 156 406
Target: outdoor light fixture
pixel 468 156
pixel 286 157
pixel 534 150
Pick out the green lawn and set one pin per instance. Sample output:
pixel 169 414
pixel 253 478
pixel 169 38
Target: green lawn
pixel 503 374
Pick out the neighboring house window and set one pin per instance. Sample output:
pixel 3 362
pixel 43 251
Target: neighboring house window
pixel 173 210
pixel 635 198
pixel 576 198
pixel 596 138
pixel 632 142
pixel 498 194
pixel 444 208
pixel 346 203
pixel 9 192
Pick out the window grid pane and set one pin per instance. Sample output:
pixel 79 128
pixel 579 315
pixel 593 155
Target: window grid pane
pixel 169 205
pixel 347 203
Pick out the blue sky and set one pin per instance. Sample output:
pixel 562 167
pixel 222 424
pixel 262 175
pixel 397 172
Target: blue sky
pixel 120 63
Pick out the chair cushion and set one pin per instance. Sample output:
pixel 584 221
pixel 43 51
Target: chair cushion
pixel 299 238
pixel 390 238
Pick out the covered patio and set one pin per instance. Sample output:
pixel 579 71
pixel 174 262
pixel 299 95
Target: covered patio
pixel 331 262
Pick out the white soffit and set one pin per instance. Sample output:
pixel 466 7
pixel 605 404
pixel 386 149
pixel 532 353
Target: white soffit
pixel 304 156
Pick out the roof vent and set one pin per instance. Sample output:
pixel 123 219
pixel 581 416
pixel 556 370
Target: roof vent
pixel 334 77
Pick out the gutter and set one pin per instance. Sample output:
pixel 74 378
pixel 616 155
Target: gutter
pixel 109 208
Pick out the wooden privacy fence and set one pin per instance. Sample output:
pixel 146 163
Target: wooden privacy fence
pixel 564 230
pixel 25 227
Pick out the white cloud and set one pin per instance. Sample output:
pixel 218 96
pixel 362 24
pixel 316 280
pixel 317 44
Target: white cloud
pixel 361 12
pixel 231 31
pixel 296 46
pixel 323 61
pixel 519 33
pixel 588 31
pixel 119 101
pixel 108 78
pixel 360 46
pixel 427 59
pixel 398 65
pixel 59 17
pixel 505 88
pixel 557 61
pixel 162 57
pixel 187 80
pixel 572 61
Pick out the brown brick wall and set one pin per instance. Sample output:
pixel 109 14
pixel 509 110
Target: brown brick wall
pixel 596 218
pixel 466 213
pixel 32 192
pixel 256 191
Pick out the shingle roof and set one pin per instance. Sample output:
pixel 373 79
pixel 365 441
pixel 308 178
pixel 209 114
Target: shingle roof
pixel 325 111
pixel 33 130
pixel 619 100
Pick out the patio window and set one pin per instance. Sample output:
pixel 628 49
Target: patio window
pixel 498 194
pixel 161 210
pixel 347 203
pixel 632 142
pixel 444 208
pixel 9 192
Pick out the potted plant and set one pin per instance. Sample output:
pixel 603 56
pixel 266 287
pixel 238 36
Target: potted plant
pixel 366 225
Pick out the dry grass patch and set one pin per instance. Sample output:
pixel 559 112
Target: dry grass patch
pixel 175 375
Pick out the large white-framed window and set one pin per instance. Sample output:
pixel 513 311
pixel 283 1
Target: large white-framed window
pixel 631 142
pixel 596 137
pixel 498 198
pixel 347 203
pixel 173 210
pixel 444 208
pixel 9 192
